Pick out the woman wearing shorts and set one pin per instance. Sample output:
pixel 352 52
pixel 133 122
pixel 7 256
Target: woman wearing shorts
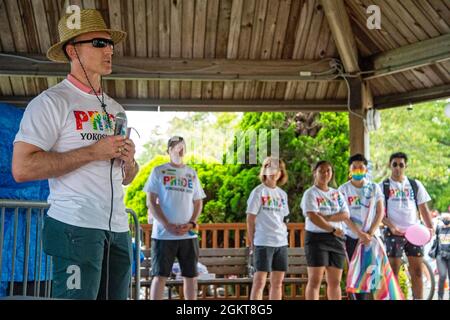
pixel 267 233
pixel 325 210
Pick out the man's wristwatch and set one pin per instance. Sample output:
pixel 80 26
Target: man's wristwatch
pixel 194 224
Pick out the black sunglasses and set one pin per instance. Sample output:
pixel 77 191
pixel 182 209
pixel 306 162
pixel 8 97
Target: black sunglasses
pixel 97 42
pixel 395 164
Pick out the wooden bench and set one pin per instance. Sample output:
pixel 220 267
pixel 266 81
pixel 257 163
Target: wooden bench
pixel 296 277
pixel 232 280
pixel 229 266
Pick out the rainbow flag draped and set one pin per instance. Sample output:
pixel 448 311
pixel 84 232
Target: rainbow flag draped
pixel 370 272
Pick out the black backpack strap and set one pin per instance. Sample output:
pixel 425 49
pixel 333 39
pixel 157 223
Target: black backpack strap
pixel 386 185
pixel 438 230
pixel 415 188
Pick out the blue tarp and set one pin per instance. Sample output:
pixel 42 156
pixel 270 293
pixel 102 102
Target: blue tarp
pixel 38 190
pixel 141 258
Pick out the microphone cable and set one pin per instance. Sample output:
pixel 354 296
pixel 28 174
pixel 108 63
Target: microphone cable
pixel 110 232
pixel 108 240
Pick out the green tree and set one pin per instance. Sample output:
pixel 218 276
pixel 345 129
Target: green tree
pixel 306 138
pixel 210 174
pixel 423 134
pixel 228 186
pixel 300 152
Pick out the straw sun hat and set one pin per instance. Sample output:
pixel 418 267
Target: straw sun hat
pixel 90 21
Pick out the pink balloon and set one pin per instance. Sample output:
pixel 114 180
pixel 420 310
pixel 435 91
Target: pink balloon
pixel 418 235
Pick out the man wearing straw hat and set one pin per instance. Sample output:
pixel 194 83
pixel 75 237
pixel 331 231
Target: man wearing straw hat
pixel 67 136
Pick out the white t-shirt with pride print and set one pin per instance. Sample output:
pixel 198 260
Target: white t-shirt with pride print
pixel 270 207
pixel 359 201
pixel 177 189
pixel 64 118
pixel 401 207
pixel 327 203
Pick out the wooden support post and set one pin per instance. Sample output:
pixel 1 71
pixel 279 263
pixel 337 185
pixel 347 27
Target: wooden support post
pixel 359 136
pixel 342 32
pixel 340 26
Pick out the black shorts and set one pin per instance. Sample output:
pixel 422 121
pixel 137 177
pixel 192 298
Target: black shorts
pixel 396 244
pixel 324 250
pixel 164 253
pixel 268 259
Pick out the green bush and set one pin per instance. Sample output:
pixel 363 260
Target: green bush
pixel 228 186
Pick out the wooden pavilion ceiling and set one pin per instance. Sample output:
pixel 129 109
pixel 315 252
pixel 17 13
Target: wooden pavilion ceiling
pixel 238 54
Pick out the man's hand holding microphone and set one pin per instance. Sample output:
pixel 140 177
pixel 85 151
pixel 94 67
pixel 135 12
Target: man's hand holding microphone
pixel 118 146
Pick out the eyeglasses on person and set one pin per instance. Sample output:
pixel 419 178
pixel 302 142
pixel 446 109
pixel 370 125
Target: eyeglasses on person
pixel 96 42
pixel 395 165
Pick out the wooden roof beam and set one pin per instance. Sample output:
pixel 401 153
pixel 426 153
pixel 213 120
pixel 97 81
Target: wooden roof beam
pixel 339 22
pixel 214 105
pixel 342 32
pixel 409 57
pixel 418 96
pixel 134 68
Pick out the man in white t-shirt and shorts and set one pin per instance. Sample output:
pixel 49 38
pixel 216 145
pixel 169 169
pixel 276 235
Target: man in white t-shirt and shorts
pixel 67 136
pixel 402 202
pixel 175 195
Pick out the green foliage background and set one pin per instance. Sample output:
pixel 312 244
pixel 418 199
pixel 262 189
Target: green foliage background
pixel 228 186
pixel 423 133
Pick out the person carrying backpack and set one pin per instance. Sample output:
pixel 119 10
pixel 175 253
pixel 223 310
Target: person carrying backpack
pixel 405 200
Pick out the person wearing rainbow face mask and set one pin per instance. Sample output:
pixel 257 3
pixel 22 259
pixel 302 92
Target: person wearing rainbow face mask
pixel 365 202
pixel 174 196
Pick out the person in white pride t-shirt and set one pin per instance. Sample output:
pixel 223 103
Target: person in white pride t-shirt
pixel 401 213
pixel 267 206
pixel 67 136
pixel 365 203
pixel 175 195
pixel 325 211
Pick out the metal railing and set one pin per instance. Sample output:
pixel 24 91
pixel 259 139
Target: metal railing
pixel 16 220
pixel 21 225
pixel 136 233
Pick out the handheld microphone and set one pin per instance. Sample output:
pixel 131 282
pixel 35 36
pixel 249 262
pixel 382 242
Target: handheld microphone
pixel 120 128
